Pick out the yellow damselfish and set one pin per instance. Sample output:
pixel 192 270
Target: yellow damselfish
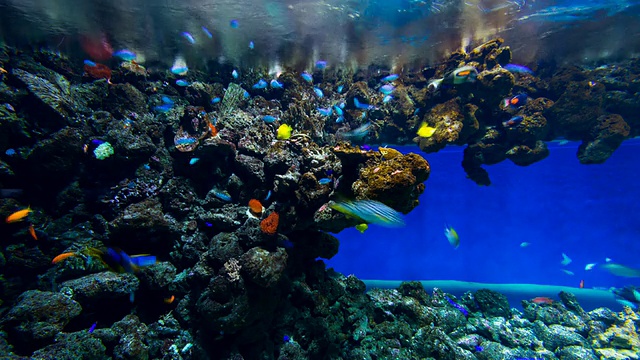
pixel 425 130
pixel 284 132
pixel 362 228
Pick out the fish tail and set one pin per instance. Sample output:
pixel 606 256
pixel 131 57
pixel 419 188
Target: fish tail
pixel 435 83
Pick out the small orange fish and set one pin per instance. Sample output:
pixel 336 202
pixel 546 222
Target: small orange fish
pixel 213 129
pixel 3 71
pixel 542 300
pixel 32 231
pixel 62 256
pixel 581 284
pixel 18 215
pixel 169 300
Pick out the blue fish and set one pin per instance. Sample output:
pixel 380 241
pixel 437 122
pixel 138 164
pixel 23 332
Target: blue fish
pixel 234 24
pixel 513 122
pixel 234 73
pixel 193 161
pixel 479 348
pixel 10 152
pixel 246 94
pixel 365 147
pixel 126 55
pixel 286 338
pixel 89 63
pixel 207 32
pixel 163 108
pixel 215 100
pixel 321 64
pixel 518 69
pixel 118 261
pixel 97 142
pixel 222 195
pixel 93 327
pixel 387 89
pixel 389 78
pixel 515 102
pixel 181 70
pixel 266 198
pixel 457 306
pixel 340 119
pixel 340 88
pixel 261 84
pixel 185 141
pixel 275 84
pixel 167 100
pixel 324 111
pixel 362 106
pixel 318 92
pixel 324 181
pixel 269 119
pixel 307 77
pixel 146 167
pixel 208 224
pixel 189 37
pixel 387 99
pixel 251 45
pixel 338 110
pixel 182 82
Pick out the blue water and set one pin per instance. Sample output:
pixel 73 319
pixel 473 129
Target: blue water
pixel 557 205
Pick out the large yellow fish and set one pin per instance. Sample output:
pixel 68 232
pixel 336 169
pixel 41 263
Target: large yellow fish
pixel 18 215
pixel 284 132
pixel 425 130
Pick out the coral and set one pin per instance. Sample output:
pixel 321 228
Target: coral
pixel 103 151
pixel 255 207
pixel 263 267
pixel 606 136
pixel 577 111
pixel 232 98
pixel 56 96
pixel 269 225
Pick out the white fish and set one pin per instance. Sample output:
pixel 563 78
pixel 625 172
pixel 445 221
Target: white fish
pixel 590 266
pixel 565 260
pixel 568 272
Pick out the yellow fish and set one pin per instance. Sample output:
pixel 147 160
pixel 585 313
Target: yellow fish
pixel 452 236
pixel 284 132
pixel 18 215
pixel 362 228
pixel 425 130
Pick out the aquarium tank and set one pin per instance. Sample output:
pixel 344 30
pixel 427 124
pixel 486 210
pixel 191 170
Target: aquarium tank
pixel 320 179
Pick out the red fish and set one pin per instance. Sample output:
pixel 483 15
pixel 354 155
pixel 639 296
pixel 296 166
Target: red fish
pixel 581 284
pixel 97 47
pixel 541 300
pixel 32 232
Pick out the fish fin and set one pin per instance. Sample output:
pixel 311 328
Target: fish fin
pixel 435 83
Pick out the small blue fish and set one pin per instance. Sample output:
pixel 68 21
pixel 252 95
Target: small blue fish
pixel 318 92
pixel 163 108
pixel 340 88
pixel 126 55
pixel 324 181
pixel 189 37
pixel 452 236
pixel 340 120
pixel 234 73
pixel 275 84
pixel 208 224
pixel 97 142
pixel 222 195
pixel 342 105
pixel 89 63
pixel 307 77
pixel 10 152
pixel 234 24
pixel 286 338
pixel 207 32
pixel 185 141
pixel 457 306
pixel 251 45
pixel 182 82
pixel 93 327
pixel 387 99
pixel 193 161
pixel 166 100
pixel 266 198
pixel 518 69
pixel 269 119
pixel 365 147
pixel 146 167
pixel 321 64
pixel 389 78
pixel 215 100
pixel 261 84
pixel 515 102
pixel 246 94
pixel 9 107
pixel 479 348
pixel 338 110
pixel 362 106
pixel 513 122
pixel 324 111
pixel 180 70
pixel 387 89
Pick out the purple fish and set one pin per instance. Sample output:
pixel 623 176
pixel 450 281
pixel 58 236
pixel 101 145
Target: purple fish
pixel 93 327
pixel 457 306
pixel 365 147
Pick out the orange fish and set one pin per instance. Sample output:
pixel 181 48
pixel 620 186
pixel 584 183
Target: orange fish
pixel 213 129
pixel 581 284
pixel 32 231
pixel 542 300
pixel 3 71
pixel 169 300
pixel 18 215
pixel 62 256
